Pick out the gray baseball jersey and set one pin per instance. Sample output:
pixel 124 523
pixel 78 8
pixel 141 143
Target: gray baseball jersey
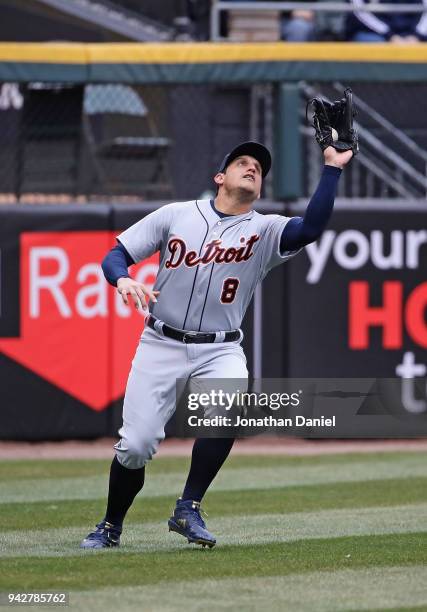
pixel 209 265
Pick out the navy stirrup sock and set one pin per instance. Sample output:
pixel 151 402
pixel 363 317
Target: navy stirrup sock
pixel 207 458
pixel 124 486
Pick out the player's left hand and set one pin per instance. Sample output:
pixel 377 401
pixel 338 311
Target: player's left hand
pixel 333 124
pixel 337 158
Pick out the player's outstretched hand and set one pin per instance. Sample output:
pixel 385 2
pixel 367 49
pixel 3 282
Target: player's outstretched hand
pixel 337 158
pixel 131 290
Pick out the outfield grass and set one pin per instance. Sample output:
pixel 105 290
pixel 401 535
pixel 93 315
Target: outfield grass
pixel 330 533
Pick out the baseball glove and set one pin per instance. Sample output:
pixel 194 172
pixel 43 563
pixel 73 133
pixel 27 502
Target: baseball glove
pixel 333 122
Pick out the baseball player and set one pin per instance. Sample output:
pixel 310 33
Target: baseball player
pixel 212 255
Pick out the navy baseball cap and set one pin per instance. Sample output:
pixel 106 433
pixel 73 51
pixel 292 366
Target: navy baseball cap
pixel 254 149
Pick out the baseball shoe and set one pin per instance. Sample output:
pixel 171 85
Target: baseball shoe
pixel 105 535
pixel 187 521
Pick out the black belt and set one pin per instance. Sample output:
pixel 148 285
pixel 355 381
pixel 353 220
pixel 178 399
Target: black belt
pixel 192 337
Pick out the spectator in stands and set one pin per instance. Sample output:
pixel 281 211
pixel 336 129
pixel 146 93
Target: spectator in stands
pixel 363 26
pixel 306 25
pixel 330 24
pixel 298 26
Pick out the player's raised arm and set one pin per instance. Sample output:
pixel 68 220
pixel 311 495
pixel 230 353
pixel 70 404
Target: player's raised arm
pixel 336 136
pixel 300 231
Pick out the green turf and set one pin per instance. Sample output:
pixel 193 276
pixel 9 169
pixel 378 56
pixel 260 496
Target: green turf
pixel 231 478
pixel 60 468
pixel 43 515
pixel 319 591
pixel 422 608
pixel 96 569
pixel 231 530
pixel 295 516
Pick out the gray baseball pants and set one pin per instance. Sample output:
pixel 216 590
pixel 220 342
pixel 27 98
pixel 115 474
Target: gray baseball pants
pixel 150 398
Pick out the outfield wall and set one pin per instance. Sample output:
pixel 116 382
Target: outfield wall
pixel 210 62
pixel 353 304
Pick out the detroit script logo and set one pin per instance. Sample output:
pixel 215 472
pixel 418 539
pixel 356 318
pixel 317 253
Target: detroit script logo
pixel 213 252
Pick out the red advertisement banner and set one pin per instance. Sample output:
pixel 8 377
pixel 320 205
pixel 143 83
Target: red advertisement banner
pixel 75 331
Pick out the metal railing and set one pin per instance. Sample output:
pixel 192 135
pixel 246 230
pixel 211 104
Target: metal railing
pixel 219 7
pixel 114 18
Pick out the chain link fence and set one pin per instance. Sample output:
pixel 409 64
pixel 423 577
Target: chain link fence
pixel 71 142
pixel 114 141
